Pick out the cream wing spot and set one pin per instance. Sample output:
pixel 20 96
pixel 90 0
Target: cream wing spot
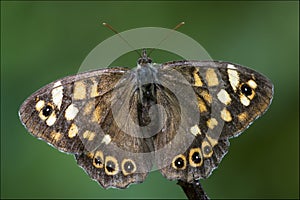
pixel 201 105
pixel 39 105
pixel 71 112
pixel 51 119
pixel 89 107
pixel 94 89
pixel 106 139
pixel 195 130
pixel 243 116
pixel 224 97
pixel 73 131
pixel 252 84
pixel 57 94
pixel 56 135
pixel 79 90
pixel 230 66
pixel 89 135
pixel 96 114
pixel 212 123
pixel 234 78
pixel 206 96
pixel 211 77
pixel 225 115
pixel 244 100
pixel 90 154
pixel 198 82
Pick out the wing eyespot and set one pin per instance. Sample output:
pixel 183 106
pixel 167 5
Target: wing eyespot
pixel 111 165
pixel 128 166
pixel 195 157
pixel 98 160
pixel 47 113
pixel 47 110
pixel 179 162
pixel 246 89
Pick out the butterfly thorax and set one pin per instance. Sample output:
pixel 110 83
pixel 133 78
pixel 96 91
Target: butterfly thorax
pixel 146 78
pixel 147 83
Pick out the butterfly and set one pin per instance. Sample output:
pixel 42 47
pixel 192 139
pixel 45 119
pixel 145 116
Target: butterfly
pixel 119 123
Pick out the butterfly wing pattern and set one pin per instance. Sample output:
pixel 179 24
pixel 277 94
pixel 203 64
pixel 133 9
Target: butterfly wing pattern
pixel 119 123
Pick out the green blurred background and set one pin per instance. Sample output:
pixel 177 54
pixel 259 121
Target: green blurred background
pixel 44 41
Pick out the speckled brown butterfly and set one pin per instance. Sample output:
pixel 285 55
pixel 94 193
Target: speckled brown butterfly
pixel 110 118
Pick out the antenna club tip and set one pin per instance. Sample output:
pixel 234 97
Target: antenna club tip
pixel 104 23
pixel 182 23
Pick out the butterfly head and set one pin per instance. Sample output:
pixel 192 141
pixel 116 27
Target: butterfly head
pixel 144 60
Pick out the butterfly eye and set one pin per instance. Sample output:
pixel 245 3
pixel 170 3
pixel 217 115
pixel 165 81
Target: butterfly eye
pixel 47 110
pixel 246 90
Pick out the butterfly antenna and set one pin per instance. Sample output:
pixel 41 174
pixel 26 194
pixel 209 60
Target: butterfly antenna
pixel 116 32
pixel 167 36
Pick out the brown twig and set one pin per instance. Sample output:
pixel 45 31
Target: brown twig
pixel 193 190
